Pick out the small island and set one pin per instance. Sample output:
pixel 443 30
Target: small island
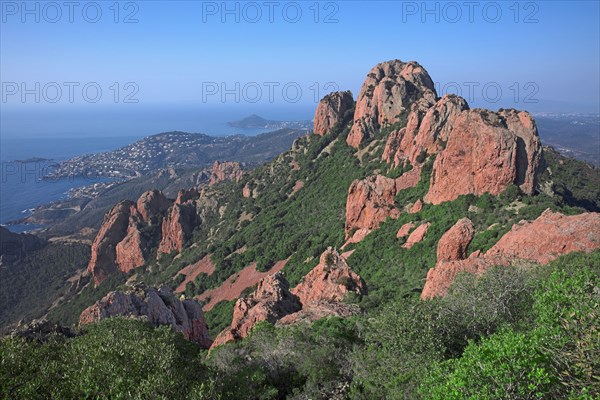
pixel 256 122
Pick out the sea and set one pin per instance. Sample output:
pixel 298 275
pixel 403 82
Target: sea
pixel 29 149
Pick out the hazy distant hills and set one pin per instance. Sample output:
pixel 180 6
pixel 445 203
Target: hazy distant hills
pixel 573 135
pixel 254 121
pixel 177 150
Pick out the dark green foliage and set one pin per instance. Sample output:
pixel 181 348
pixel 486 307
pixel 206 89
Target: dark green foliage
pixel 113 359
pixel 29 286
pixel 219 317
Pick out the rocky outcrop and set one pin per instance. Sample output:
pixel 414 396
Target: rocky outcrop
pixel 103 261
pixel 271 301
pixel 330 281
pixel 177 227
pixel 426 132
pixel 370 201
pixel 333 110
pixel 157 306
pixel 416 207
pixel 120 244
pixel 453 244
pixel 387 96
pixel 485 153
pixel 152 203
pixel 417 235
pixel 540 241
pixel 405 230
pixel 225 171
pixel 320 294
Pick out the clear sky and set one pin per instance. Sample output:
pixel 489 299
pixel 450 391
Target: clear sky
pixel 541 55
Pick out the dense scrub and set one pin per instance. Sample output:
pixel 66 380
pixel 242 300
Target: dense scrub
pixel 513 333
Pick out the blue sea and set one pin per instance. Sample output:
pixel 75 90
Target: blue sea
pixel 57 135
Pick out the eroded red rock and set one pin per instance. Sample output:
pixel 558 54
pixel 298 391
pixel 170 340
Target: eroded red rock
pixel 453 244
pixel 417 235
pixel 540 241
pixel 157 306
pixel 388 92
pixel 225 171
pixel 333 110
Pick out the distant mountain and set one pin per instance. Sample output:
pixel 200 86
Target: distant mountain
pixel 254 121
pixel 177 150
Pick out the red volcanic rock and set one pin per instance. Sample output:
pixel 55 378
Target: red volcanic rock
pixel 453 244
pixel 317 296
pixel 330 281
pixel 158 307
pixel 152 203
pixel 540 241
pixel 417 235
pixel 404 230
pixel 225 171
pixel 357 237
pixel 485 154
pixel 426 132
pixel 271 301
pixel 415 208
pixel 131 251
pixel 246 192
pixel 387 93
pixel 113 230
pixel 370 202
pixel 332 111
pixel 179 224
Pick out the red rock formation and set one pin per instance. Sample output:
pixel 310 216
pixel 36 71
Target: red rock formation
pixel 179 224
pixel 404 230
pixel 225 171
pixel 415 208
pixel 158 307
pixel 330 281
pixel 271 301
pixel 246 192
pixel 152 203
pixel 417 235
pixel 370 202
pixel 387 93
pixel 131 251
pixel 113 230
pixel 426 132
pixel 485 153
pixel 317 296
pixel 453 244
pixel 540 241
pixel 332 110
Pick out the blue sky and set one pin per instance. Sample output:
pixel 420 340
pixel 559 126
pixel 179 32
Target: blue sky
pixel 184 53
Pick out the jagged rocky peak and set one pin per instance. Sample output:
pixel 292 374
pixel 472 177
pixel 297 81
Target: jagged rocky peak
pixel 335 109
pixel 152 203
pixel 120 244
pixel 157 306
pixel 387 95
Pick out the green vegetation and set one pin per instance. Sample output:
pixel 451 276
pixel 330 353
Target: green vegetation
pixel 513 333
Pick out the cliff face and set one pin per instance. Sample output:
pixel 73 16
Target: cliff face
pixel 334 109
pixel 157 306
pixel 387 94
pixel 485 153
pixel 225 171
pixel 120 244
pixel 540 241
pixel 180 222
